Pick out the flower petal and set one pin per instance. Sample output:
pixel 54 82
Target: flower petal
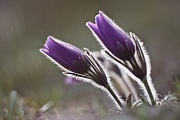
pixel 68 56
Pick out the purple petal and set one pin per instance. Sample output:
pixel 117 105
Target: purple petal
pixel 95 29
pixel 66 55
pixel 113 38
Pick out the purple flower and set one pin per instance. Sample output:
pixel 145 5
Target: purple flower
pixel 119 46
pixel 74 62
pixel 65 55
pixel 112 37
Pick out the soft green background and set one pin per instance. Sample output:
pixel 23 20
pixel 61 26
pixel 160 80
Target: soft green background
pixel 25 25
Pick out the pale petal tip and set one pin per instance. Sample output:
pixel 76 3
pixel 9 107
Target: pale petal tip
pixel 101 12
pixel 88 23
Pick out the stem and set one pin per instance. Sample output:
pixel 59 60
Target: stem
pixel 149 92
pixel 114 96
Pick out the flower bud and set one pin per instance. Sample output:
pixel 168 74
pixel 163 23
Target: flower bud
pixel 111 37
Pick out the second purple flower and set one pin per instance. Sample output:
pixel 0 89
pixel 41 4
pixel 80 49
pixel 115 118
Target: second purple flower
pixel 112 37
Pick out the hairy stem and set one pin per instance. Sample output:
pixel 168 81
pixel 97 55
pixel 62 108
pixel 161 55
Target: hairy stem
pixel 114 96
pixel 149 91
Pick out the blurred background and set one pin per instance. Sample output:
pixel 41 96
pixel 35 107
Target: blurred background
pixel 25 25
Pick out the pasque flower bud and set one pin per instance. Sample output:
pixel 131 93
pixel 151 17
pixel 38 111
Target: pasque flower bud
pixel 74 61
pixel 111 37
